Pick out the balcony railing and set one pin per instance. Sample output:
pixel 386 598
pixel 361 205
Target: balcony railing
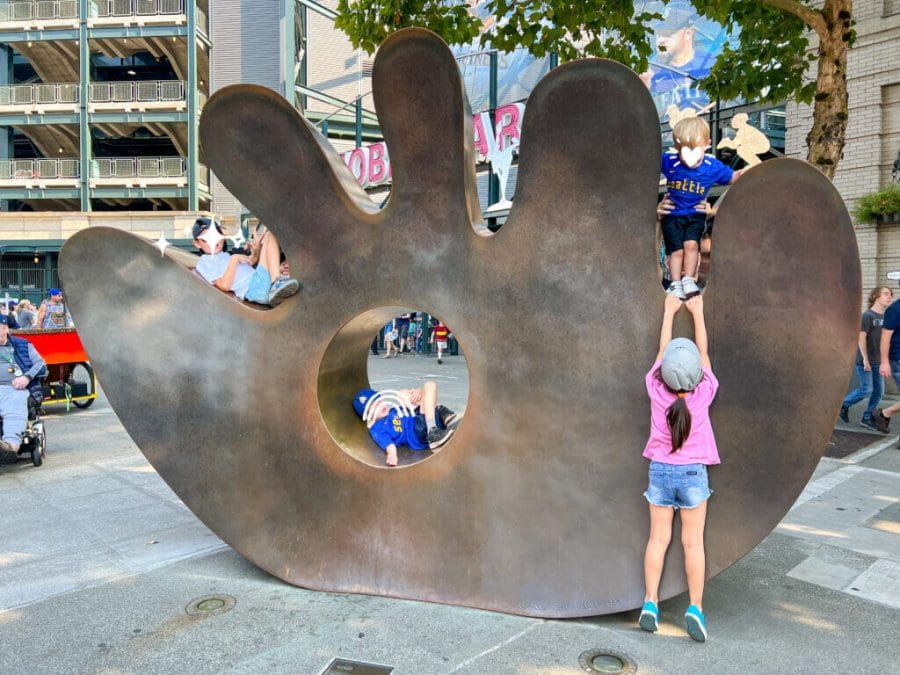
pixel 39 94
pixel 152 91
pixel 115 8
pixel 105 171
pixel 38 10
pixel 138 168
pixel 36 170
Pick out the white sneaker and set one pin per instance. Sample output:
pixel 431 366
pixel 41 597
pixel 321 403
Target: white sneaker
pixel 676 289
pixel 282 288
pixel 690 287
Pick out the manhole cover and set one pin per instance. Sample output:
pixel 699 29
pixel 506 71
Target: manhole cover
pixel 606 661
pixel 210 604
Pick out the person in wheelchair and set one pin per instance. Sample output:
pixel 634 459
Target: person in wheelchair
pixel 20 370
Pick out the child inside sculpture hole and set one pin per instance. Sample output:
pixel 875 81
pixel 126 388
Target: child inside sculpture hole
pixel 701 271
pixel 258 276
pixel 690 174
pixel 408 418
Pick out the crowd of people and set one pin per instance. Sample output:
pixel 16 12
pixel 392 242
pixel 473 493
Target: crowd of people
pixel 410 333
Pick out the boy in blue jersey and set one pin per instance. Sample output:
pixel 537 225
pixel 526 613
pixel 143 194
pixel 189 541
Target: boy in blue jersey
pixel 409 417
pixel 689 174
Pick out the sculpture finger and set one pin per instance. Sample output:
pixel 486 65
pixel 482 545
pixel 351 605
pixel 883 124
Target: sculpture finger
pixel 579 167
pixel 419 95
pixel 283 169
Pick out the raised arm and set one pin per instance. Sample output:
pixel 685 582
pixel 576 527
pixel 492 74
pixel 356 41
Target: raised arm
pixel 670 309
pixel 695 307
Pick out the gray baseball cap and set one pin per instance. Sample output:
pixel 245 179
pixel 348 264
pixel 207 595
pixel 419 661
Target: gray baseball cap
pixel 681 368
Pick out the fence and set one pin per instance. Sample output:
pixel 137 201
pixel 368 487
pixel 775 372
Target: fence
pixel 21 277
pixel 39 10
pixel 138 7
pixel 151 91
pixel 39 94
pixel 31 169
pixel 138 167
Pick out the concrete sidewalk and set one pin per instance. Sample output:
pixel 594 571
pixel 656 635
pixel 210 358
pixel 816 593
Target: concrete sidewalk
pixel 100 560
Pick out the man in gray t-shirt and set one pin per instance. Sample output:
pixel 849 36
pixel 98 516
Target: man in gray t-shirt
pixel 15 376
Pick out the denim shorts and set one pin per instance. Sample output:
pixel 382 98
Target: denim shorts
pixel 682 486
pixel 260 283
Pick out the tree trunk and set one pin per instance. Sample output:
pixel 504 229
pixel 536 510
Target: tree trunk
pixel 827 135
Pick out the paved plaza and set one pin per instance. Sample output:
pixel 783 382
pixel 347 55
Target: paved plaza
pixel 100 561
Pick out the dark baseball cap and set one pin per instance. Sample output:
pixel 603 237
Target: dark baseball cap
pixel 361 399
pixel 202 224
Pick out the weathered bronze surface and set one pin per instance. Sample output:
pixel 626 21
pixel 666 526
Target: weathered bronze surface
pixel 536 506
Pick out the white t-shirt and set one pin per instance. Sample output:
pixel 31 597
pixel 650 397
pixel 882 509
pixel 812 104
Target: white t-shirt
pixel 212 267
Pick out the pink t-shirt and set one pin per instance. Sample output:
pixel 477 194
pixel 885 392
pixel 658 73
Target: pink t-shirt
pixel 700 445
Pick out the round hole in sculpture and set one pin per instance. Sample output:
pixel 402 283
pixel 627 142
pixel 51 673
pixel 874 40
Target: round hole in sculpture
pixel 381 383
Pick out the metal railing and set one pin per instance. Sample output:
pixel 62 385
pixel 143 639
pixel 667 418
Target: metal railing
pixel 38 10
pixel 138 167
pixel 151 91
pixel 39 94
pixel 202 21
pixel 35 169
pixel 105 8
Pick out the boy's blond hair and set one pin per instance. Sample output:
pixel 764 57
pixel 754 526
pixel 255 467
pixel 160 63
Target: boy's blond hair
pixel 691 132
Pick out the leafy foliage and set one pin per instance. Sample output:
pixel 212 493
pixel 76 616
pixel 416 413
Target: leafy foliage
pixel 603 28
pixel 368 23
pixel 771 57
pixel 875 204
pixel 768 63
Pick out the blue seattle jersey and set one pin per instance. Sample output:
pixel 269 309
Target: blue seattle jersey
pixel 688 187
pixel 397 429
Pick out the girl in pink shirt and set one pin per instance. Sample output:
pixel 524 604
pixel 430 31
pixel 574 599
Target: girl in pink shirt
pixel 681 387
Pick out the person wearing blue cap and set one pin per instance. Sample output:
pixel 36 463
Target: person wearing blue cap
pixel 21 367
pixel 53 312
pixel 408 417
pixel 681 387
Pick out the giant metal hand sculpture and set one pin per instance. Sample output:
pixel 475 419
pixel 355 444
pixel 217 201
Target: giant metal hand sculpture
pixel 535 506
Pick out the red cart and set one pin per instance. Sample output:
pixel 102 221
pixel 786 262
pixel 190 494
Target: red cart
pixel 70 377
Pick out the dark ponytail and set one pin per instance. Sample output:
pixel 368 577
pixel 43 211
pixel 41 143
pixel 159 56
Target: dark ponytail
pixel 679 418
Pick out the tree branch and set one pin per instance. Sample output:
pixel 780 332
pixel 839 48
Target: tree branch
pixel 811 17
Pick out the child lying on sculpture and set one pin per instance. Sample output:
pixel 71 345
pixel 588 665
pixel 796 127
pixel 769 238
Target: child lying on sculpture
pixel 409 417
pixel 253 277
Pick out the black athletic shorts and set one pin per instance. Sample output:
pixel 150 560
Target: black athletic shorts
pixel 679 229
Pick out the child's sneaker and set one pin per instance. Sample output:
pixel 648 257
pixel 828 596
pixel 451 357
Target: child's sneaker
pixel 282 288
pixel 649 620
pixel 696 624
pixel 676 288
pixel 445 415
pixel 689 287
pixel 437 437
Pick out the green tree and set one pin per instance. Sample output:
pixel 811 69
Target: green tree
pixel 777 42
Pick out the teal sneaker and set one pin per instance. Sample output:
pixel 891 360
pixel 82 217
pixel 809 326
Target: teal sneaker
pixel 696 624
pixel 649 620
